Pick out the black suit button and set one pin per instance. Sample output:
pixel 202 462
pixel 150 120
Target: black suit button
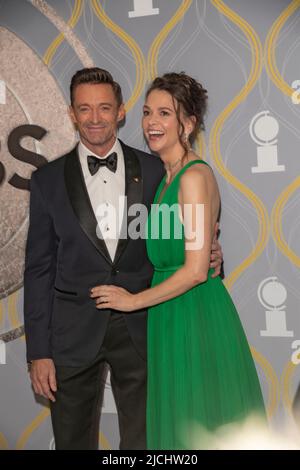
pixel 114 271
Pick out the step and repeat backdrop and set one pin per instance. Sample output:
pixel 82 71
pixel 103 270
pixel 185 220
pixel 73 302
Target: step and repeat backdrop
pixel 247 55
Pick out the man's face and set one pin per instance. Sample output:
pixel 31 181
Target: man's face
pixel 96 113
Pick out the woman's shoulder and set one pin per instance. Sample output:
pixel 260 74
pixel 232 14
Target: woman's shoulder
pixel 196 171
pixel 197 179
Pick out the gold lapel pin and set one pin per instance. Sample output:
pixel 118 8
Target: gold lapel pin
pixel 136 179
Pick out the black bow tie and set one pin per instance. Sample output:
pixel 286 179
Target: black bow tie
pixel 110 162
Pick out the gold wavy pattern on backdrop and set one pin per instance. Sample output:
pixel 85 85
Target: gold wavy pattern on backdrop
pixel 155 46
pixel 134 48
pixel 76 13
pixel 286 379
pixel 215 136
pixel 276 220
pixel 262 214
pixel 104 444
pixel 37 421
pixel 286 194
pixel 272 69
pixel 270 45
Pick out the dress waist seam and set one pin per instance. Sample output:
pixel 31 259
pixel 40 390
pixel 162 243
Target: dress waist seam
pixel 168 268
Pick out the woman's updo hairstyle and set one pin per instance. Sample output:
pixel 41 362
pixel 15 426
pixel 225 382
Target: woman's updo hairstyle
pixel 191 100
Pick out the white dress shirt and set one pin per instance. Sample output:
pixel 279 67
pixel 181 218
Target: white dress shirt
pixel 106 191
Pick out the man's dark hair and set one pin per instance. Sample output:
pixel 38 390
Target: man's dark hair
pixel 95 75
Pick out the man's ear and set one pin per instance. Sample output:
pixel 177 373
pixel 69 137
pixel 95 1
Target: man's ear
pixel 121 113
pixel 72 115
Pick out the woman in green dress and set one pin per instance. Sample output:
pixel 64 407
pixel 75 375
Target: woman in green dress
pixel 201 374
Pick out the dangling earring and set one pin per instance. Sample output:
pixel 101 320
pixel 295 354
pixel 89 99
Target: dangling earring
pixel 186 140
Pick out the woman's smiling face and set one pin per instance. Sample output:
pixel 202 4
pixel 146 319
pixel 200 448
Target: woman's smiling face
pixel 160 123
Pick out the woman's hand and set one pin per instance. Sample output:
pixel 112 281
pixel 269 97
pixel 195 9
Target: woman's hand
pixel 113 297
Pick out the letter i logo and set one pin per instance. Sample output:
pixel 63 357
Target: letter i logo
pixel 143 8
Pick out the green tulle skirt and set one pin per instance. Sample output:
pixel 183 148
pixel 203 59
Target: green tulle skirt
pixel 201 374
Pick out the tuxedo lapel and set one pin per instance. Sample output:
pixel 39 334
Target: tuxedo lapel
pixel 80 201
pixel 133 193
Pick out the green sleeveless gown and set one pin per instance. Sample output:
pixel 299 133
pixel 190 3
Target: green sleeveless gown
pixel 201 374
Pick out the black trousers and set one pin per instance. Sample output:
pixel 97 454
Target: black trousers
pixel 76 411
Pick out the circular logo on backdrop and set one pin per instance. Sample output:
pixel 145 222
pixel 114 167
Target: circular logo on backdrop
pixel 35 128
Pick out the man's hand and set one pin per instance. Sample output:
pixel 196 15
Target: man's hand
pixel 42 374
pixel 216 256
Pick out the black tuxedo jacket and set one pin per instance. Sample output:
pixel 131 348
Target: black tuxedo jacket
pixel 65 258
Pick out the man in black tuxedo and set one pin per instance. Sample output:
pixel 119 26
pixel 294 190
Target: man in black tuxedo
pixel 70 343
